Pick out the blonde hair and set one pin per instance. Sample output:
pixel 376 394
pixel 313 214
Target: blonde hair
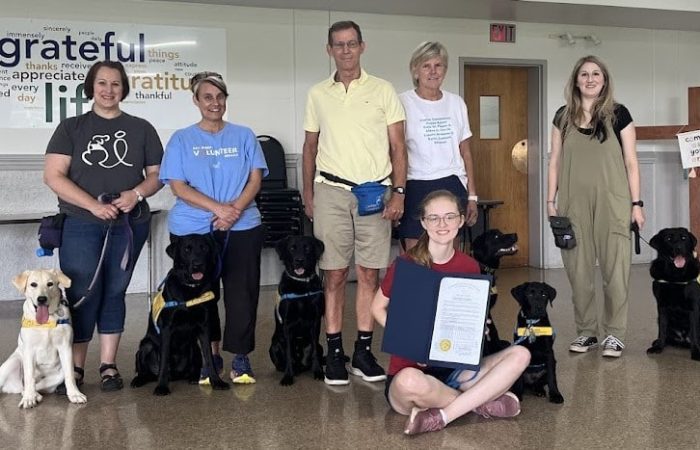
pixel 602 111
pixel 424 52
pixel 420 252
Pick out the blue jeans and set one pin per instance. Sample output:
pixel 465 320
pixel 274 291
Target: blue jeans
pixel 79 255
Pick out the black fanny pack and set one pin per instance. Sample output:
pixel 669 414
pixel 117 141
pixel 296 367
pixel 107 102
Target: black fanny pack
pixel 50 234
pixel 370 194
pixel 563 232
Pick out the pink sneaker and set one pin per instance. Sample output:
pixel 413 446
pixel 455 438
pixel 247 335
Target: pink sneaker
pixel 423 421
pixel 507 405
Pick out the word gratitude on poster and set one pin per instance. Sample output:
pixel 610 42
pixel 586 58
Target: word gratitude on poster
pixel 43 67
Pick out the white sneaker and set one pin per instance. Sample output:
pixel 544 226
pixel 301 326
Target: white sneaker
pixel 612 346
pixel 583 344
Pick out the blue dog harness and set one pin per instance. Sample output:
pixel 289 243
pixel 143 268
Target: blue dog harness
pixel 291 296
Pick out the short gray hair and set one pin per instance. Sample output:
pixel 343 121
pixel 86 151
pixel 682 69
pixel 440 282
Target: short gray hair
pixel 424 52
pixel 212 78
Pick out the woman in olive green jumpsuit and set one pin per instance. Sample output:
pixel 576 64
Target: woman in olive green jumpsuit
pixel 593 180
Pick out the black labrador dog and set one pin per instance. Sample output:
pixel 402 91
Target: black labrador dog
pixel 534 332
pixel 488 249
pixel 675 271
pixel 178 326
pixel 300 307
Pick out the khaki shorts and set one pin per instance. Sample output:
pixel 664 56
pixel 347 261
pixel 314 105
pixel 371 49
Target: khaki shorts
pixel 343 231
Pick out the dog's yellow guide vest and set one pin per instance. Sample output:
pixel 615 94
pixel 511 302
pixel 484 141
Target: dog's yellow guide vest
pixel 31 323
pixel 535 331
pixel 159 303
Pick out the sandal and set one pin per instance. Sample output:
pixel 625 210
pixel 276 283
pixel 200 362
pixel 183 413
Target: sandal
pixel 61 388
pixel 111 382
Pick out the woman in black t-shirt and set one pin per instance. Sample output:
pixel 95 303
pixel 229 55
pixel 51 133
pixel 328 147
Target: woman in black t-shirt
pixel 102 165
pixel 594 174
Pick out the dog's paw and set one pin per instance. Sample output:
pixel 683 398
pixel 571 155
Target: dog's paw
pixel 219 385
pixel 654 350
pixel 318 374
pixel 137 382
pixel 695 355
pixel 287 380
pixel 161 390
pixel 30 400
pixel 556 398
pixel 539 392
pixel 77 397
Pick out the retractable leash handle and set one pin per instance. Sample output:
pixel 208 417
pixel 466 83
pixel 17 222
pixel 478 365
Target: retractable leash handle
pixel 637 245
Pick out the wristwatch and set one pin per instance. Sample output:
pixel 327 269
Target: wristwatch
pixel 399 190
pixel 638 203
pixel 139 197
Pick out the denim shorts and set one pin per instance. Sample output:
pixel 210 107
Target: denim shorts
pixel 416 190
pixel 79 255
pixel 445 375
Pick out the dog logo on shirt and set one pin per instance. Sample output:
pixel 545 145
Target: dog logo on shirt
pixel 98 145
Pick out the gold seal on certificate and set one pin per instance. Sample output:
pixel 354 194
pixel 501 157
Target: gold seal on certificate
pixel 445 345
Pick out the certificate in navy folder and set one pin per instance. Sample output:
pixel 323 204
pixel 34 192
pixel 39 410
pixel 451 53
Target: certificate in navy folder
pixel 436 318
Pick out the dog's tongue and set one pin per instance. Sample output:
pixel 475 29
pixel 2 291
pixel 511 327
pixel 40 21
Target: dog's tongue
pixel 679 262
pixel 299 271
pixel 42 314
pixel 197 276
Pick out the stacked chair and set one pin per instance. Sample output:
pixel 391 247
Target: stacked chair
pixel 281 207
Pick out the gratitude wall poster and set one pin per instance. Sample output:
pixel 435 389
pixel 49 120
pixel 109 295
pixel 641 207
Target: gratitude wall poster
pixel 43 65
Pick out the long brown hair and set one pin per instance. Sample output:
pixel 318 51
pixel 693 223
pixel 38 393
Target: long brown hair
pixel 420 253
pixel 602 111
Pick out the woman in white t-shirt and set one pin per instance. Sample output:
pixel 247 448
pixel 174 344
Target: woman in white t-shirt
pixel 437 139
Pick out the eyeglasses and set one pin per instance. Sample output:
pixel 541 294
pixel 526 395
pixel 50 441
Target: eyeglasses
pixel 202 75
pixel 449 219
pixel 341 45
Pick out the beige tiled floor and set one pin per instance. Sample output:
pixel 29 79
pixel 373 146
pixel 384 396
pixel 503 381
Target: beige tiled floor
pixel 636 401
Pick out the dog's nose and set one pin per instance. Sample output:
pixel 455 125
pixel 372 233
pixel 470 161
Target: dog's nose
pixel 42 299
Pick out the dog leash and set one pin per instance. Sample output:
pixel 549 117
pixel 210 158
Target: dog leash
pixel 220 256
pixel 126 257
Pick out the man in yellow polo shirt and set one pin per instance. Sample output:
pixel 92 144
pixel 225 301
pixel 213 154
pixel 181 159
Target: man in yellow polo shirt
pixel 354 126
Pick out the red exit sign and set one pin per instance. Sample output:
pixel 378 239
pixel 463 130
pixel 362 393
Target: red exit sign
pixel 502 32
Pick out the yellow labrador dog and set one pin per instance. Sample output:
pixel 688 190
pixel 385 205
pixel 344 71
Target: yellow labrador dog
pixel 44 355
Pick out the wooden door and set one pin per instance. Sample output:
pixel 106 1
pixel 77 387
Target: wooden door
pixel 495 174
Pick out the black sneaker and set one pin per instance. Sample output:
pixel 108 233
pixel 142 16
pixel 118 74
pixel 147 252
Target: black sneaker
pixel 336 373
pixel 612 346
pixel 583 344
pixel 364 364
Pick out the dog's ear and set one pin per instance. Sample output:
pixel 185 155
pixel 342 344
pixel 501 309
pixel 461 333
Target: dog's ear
pixel 693 239
pixel 655 241
pixel 170 249
pixel 319 247
pixel 551 293
pixel 20 281
pixel 62 278
pixel 518 293
pixel 281 247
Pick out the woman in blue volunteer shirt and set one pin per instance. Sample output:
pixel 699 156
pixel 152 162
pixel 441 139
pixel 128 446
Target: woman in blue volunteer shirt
pixel 215 169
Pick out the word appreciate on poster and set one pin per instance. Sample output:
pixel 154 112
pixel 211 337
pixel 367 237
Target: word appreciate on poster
pixel 43 65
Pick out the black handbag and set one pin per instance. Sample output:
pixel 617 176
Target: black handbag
pixel 563 232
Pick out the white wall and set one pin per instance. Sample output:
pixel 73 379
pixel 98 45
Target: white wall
pixel 275 55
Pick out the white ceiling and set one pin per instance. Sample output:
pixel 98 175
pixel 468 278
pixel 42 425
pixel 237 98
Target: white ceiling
pixel 543 11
